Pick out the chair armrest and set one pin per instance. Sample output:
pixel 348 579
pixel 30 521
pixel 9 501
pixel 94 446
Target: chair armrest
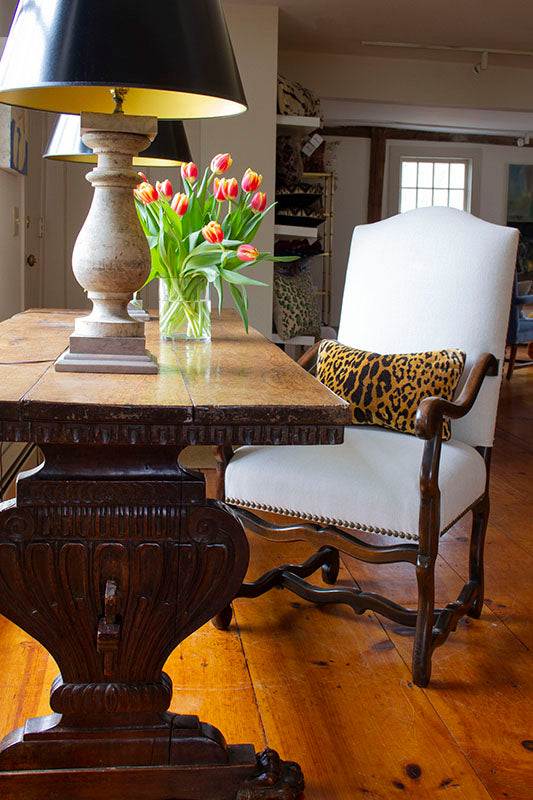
pixel 308 359
pixel 432 409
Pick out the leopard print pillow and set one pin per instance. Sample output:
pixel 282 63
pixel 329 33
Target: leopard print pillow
pixel 386 390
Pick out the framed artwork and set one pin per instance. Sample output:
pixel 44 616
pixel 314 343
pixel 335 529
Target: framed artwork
pixel 13 139
pixel 520 194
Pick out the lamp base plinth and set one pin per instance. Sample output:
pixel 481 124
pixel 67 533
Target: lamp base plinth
pixel 118 354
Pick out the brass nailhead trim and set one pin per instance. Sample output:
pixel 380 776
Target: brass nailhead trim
pixel 288 512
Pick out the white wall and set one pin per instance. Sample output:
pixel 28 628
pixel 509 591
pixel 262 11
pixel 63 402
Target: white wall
pixel 352 163
pixel 11 197
pixel 410 80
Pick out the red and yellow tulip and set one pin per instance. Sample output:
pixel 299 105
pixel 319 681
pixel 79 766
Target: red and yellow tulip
pixel 258 202
pixel 247 252
pixel 189 172
pixel 220 163
pixel 212 232
pixel 219 189
pixel 251 181
pixel 231 188
pixel 146 193
pixel 180 203
pixel 164 189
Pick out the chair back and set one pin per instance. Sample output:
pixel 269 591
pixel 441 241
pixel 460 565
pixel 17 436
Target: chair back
pixel 429 279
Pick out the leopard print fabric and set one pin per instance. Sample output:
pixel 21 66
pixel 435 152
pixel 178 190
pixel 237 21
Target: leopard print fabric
pixel 386 390
pixel 295 307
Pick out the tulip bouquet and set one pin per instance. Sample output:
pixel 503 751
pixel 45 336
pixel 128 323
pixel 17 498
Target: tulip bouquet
pixel 193 243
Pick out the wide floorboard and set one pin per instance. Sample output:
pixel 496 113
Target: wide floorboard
pixel 334 692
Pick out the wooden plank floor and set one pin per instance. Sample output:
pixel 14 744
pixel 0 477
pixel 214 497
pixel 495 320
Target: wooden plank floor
pixel 334 692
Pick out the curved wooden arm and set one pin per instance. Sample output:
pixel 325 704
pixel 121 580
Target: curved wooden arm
pixel 307 361
pixel 433 409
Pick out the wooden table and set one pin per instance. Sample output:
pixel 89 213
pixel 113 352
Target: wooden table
pixel 111 554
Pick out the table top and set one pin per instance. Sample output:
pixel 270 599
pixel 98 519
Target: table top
pixel 239 388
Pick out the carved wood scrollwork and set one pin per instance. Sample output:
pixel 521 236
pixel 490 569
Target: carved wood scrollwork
pixel 110 557
pixel 110 575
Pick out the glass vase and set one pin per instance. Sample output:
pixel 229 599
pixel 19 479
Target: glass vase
pixel 184 316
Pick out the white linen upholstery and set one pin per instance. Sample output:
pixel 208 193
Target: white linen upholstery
pixel 430 279
pixel 370 482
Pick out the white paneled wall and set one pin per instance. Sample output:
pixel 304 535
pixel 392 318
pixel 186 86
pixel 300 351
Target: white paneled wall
pixel 11 252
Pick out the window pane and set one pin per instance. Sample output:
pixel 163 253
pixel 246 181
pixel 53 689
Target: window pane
pixel 425 198
pixel 441 174
pixel 457 176
pixel 409 173
pixel 457 198
pixel 425 174
pixel 440 197
pixel 408 200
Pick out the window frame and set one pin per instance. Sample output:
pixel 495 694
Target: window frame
pixel 465 188
pixel 431 151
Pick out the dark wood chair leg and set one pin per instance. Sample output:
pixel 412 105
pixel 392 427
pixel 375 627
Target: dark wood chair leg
pixel 222 620
pixel 477 547
pixel 422 650
pixel 512 358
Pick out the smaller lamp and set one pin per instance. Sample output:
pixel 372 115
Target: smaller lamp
pixel 170 149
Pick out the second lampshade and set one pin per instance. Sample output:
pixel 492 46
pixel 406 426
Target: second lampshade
pixel 169 149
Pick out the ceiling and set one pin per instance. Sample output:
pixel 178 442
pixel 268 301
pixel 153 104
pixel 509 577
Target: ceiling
pixel 339 26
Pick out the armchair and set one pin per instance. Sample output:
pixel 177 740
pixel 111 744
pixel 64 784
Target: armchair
pixel 520 329
pixel 429 279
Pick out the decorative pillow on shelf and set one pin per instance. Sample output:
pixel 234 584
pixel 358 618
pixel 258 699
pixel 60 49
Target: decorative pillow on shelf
pixel 386 390
pixel 295 99
pixel 295 307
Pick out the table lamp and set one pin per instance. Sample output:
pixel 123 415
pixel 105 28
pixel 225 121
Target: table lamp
pixel 174 61
pixel 169 149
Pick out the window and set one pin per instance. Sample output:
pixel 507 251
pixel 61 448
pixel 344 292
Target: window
pixel 434 182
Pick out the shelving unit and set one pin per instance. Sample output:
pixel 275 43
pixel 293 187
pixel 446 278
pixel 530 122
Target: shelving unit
pixel 308 228
pixel 323 230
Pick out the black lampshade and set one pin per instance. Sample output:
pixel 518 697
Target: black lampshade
pixel 174 57
pixel 170 148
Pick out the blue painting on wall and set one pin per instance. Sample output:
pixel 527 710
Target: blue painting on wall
pixel 18 159
pixel 520 195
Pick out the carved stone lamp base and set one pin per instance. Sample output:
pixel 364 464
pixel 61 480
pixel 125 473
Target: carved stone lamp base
pixel 111 257
pixel 107 354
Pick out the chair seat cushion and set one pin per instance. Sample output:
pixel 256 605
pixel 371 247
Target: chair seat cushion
pixel 370 482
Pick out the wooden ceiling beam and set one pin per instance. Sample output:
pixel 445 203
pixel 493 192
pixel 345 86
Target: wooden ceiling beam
pixel 368 131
